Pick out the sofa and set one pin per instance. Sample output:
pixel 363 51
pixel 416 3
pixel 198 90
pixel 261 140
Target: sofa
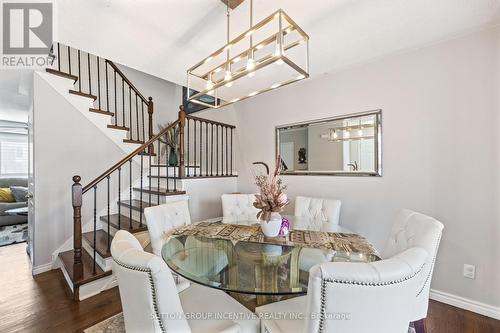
pixel 6 219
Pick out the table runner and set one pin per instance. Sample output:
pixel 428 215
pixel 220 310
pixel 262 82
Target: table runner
pixel 352 243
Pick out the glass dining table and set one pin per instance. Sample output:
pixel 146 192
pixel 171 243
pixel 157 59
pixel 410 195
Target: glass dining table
pixel 247 267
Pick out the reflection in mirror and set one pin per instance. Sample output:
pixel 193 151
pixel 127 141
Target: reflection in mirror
pixel 346 145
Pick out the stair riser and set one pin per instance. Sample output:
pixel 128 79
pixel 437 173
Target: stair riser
pixel 104 263
pixel 164 183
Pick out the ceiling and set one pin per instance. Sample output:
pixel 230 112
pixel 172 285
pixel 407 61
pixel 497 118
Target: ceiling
pixel 165 37
pixel 15 94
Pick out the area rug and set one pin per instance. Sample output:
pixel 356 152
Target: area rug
pixel 115 324
pixel 13 234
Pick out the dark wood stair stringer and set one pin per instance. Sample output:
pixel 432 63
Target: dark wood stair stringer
pixel 87 275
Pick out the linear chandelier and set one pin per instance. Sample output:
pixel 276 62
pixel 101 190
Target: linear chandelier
pixel 270 54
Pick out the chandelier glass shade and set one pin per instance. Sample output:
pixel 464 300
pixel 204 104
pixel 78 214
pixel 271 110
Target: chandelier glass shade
pixel 269 55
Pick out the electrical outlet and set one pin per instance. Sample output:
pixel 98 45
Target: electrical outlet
pixel 469 271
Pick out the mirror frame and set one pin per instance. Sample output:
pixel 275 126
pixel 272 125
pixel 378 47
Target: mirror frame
pixel 377 137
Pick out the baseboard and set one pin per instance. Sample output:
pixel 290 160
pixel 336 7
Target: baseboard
pixel 466 304
pixel 41 268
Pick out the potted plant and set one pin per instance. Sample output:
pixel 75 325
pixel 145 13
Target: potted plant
pixel 271 200
pixel 171 141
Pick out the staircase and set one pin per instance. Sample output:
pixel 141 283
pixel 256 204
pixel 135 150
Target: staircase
pixel 155 172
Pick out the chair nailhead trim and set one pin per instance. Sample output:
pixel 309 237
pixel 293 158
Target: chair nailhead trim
pixel 152 287
pixel 432 265
pixel 358 283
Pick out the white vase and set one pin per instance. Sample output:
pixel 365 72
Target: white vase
pixel 272 227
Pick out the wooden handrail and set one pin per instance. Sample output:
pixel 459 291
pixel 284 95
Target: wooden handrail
pixel 131 85
pixel 210 121
pixel 129 157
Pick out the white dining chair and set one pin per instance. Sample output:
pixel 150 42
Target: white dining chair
pixel 326 212
pixel 351 297
pixel 412 229
pixel 151 303
pixel 163 218
pixel 239 207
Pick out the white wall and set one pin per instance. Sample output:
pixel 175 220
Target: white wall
pixel 441 150
pixel 65 143
pixel 167 96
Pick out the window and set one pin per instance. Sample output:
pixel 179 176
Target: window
pixel 14 157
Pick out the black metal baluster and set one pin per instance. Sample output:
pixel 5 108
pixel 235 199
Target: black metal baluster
pixel 116 110
pixel 130 112
pixel 123 102
pixel 140 204
pixel 79 74
pixel 130 194
pixel 95 225
pixel 143 132
pixel 59 57
pixel 175 178
pixel 217 149
pixel 206 149
pixel 107 86
pixel 90 77
pixel 98 83
pixel 227 157
pixel 109 233
pixel 166 169
pixel 69 60
pixel 195 146
pixel 158 170
pixel 137 117
pixel 231 151
pixel 201 145
pixel 119 198
pixel 222 150
pixel 150 153
pixel 212 150
pixel 187 149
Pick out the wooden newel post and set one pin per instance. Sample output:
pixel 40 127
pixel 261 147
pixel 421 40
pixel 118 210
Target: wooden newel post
pixel 182 124
pixel 150 122
pixel 76 196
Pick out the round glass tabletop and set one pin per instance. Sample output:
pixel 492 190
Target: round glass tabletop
pixel 249 267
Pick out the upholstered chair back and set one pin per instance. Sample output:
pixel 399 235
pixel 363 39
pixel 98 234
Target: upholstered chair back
pixel 317 209
pixel 148 293
pixel 364 297
pixel 239 207
pixel 162 218
pixel 412 229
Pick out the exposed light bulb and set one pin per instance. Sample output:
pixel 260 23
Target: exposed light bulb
pixel 228 76
pixel 347 134
pixel 250 64
pixel 360 132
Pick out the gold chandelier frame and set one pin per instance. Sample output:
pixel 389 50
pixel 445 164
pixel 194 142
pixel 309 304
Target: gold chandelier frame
pixel 274 57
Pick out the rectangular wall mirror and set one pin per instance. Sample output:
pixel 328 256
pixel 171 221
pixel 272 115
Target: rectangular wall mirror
pixel 347 145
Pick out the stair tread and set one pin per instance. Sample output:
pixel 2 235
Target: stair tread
pixel 124 223
pixel 136 204
pixel 87 268
pixel 101 240
pixel 62 74
pixel 107 113
pixel 75 92
pixel 123 128
pixel 159 190
pixel 133 141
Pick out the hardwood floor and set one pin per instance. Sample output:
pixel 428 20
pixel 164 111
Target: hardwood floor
pixel 41 304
